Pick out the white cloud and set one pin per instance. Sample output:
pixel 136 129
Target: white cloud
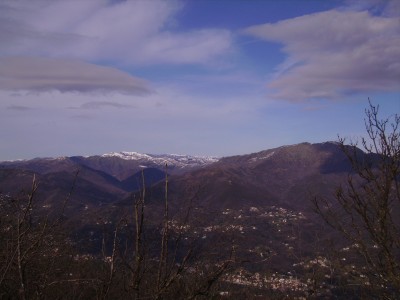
pixel 188 48
pixel 333 53
pixel 43 74
pixel 133 32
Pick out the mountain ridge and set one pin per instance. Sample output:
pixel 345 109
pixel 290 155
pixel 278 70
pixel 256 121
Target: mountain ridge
pixel 285 175
pixel 127 155
pixel 261 201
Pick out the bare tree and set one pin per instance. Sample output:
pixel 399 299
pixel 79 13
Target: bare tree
pixel 366 210
pixel 138 259
pixel 174 272
pixel 34 253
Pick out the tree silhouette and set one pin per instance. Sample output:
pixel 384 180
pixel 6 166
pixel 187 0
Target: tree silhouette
pixel 366 209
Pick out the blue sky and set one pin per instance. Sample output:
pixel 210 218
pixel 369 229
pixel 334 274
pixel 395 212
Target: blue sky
pixel 191 77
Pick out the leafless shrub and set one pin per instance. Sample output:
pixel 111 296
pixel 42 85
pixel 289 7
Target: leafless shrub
pixel 366 211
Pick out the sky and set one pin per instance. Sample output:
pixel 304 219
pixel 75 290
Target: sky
pixel 199 77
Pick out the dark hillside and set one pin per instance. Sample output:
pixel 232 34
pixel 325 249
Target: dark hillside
pixel 258 204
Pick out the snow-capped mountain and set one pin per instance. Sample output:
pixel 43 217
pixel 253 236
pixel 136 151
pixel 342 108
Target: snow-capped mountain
pixel 173 160
pixel 120 165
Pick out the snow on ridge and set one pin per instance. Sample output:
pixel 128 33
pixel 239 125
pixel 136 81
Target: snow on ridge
pixel 269 155
pixel 61 158
pixel 187 158
pixel 22 160
pixel 13 160
pixel 177 160
pixel 127 155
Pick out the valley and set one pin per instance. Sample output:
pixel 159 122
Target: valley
pixel 252 214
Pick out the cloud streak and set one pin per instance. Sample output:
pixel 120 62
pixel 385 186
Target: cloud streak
pixel 334 53
pixel 125 32
pixel 19 108
pixel 101 104
pixel 43 74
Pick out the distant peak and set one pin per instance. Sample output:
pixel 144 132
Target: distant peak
pixel 177 160
pixel 127 155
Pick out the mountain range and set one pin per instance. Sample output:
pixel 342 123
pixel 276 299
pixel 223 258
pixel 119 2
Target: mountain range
pixel 102 178
pixel 284 175
pixel 262 202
